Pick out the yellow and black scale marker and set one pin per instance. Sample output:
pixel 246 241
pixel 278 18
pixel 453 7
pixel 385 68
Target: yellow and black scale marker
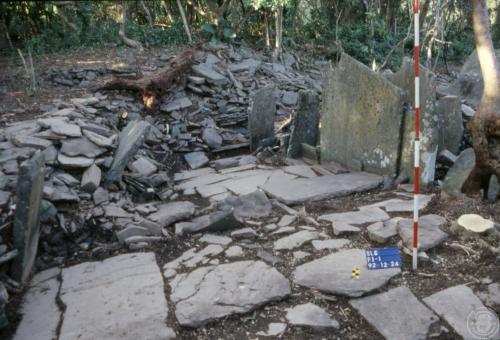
pixel 355 273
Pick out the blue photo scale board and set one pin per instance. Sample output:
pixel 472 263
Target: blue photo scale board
pixel 383 258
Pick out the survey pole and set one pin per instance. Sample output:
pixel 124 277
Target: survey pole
pixel 416 175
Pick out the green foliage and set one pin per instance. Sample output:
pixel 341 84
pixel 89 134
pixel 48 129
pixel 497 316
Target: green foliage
pixel 220 32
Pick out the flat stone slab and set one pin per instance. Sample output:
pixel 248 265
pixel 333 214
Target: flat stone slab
pixel 362 216
pixel 216 239
pixel 213 292
pixel 172 212
pixel 404 317
pixel 41 315
pixel 429 233
pixel 196 159
pixel 464 312
pixel 295 240
pixel 296 191
pixel 310 315
pixel 191 258
pixel 382 232
pixel 74 147
pixel 333 274
pixel 330 244
pixel 119 298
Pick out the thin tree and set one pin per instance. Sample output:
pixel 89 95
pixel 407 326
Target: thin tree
pixel 184 21
pixel 485 126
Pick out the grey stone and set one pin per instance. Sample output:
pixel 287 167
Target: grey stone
pixel 216 239
pixel 451 123
pixel 286 220
pixel 216 221
pixel 270 227
pixel 274 329
pixel 295 240
pixel 252 205
pixel 310 315
pixel 143 166
pixel 60 194
pixel 111 290
pixel 407 205
pixel 403 316
pixel 429 233
pixel 50 155
pixel 60 127
pixel 306 123
pixel 382 232
pixel 300 170
pixel 330 244
pixel 459 172
pixel 101 195
pixel 299 255
pixel 4 298
pixel 31 142
pixel 290 98
pixel 213 77
pixel 345 222
pixel 196 159
pixel 366 135
pixel 493 189
pixel 210 293
pixel 4 198
pixel 296 191
pixel 212 138
pixel 26 228
pixel 234 251
pixel 112 210
pixel 66 179
pixel 261 116
pixel 244 65
pixel 429 121
pixel 82 146
pixel 191 258
pixel 461 309
pixel 129 141
pixel 447 158
pixel 100 140
pixel 40 313
pixel 91 178
pixel 74 162
pixel 172 212
pixel 492 296
pixel 332 274
pixel 244 233
pixel 177 104
pixel 130 231
pixel 283 230
pixel 468 111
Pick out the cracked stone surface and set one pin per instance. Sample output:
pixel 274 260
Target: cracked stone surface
pixel 172 212
pixel 310 315
pixel 332 274
pixel 40 312
pixel 382 232
pixel 119 298
pixel 210 293
pixel 330 244
pixel 190 258
pixel 429 233
pixel 295 240
pixel 404 317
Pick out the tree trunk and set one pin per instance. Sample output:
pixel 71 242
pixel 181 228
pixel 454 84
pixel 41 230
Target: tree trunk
pixel 278 45
pixel 485 126
pixel 129 42
pixel 152 87
pixel 266 28
pixel 148 13
pixel 184 21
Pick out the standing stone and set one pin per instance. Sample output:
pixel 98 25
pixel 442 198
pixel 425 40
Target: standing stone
pixel 360 127
pixel 26 222
pixel 405 79
pixel 129 141
pixel 459 172
pixel 403 316
pixel 261 116
pixel 451 125
pixel 91 179
pixel 306 123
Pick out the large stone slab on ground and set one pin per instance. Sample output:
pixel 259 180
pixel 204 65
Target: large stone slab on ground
pixel 196 159
pixel 382 232
pixel 119 298
pixel 464 312
pixel 26 230
pixel 361 128
pixel 253 205
pixel 40 313
pixel 306 123
pixel 261 116
pixel 429 131
pixel 172 212
pixel 310 315
pixel 206 71
pixel 129 141
pixel 429 233
pixel 396 314
pixel 295 240
pixel 459 172
pixel 296 191
pixel 333 274
pixel 210 293
pixel 81 147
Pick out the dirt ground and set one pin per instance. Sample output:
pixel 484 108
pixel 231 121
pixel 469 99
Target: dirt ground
pixel 448 265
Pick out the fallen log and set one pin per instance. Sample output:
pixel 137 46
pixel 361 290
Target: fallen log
pixel 152 87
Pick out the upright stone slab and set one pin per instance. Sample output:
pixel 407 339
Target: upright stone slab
pixel 261 116
pixel 459 172
pixel 360 127
pixel 451 125
pixel 306 123
pixel 429 131
pixel 26 222
pixel 129 141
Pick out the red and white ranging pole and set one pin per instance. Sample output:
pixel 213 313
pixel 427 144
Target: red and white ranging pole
pixel 416 176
